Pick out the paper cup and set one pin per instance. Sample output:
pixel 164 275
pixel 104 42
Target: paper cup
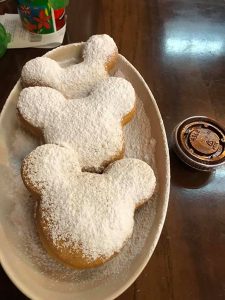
pixel 40 17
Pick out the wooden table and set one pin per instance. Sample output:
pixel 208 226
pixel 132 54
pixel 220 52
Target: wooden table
pixel 179 48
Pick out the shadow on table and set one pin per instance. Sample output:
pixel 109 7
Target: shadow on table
pixel 184 176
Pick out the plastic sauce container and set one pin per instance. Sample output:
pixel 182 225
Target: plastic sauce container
pixel 200 143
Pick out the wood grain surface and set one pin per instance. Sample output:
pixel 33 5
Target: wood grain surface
pixel 179 48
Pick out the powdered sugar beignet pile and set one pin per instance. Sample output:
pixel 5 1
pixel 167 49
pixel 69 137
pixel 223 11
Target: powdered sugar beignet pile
pixel 139 143
pixel 92 126
pixel 100 55
pixel 85 218
pixel 25 240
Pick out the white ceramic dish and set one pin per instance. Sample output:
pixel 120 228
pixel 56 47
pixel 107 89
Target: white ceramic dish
pixel 32 281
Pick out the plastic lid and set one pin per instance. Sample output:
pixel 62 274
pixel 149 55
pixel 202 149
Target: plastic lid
pixel 4 40
pixel 200 142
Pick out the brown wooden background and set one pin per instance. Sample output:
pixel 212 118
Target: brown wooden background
pixel 179 48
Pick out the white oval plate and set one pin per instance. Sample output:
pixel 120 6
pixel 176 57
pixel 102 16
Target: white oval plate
pixel 25 266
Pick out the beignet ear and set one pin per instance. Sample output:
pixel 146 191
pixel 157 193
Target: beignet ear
pixel 135 176
pixel 99 48
pixel 117 94
pixel 40 105
pixel 40 71
pixel 47 165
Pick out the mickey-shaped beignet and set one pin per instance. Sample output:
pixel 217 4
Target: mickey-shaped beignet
pixel 92 126
pixel 83 219
pixel 100 55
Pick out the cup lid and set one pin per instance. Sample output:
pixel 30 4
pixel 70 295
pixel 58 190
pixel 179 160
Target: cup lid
pixel 200 142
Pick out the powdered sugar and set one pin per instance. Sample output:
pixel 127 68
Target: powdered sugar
pixel 23 144
pixel 28 241
pixel 76 80
pixel 138 140
pixel 92 210
pixel 91 126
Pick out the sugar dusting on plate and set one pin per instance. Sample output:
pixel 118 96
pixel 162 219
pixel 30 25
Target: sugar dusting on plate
pixel 139 144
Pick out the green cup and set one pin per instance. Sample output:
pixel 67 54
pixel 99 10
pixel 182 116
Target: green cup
pixel 42 16
pixel 4 40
